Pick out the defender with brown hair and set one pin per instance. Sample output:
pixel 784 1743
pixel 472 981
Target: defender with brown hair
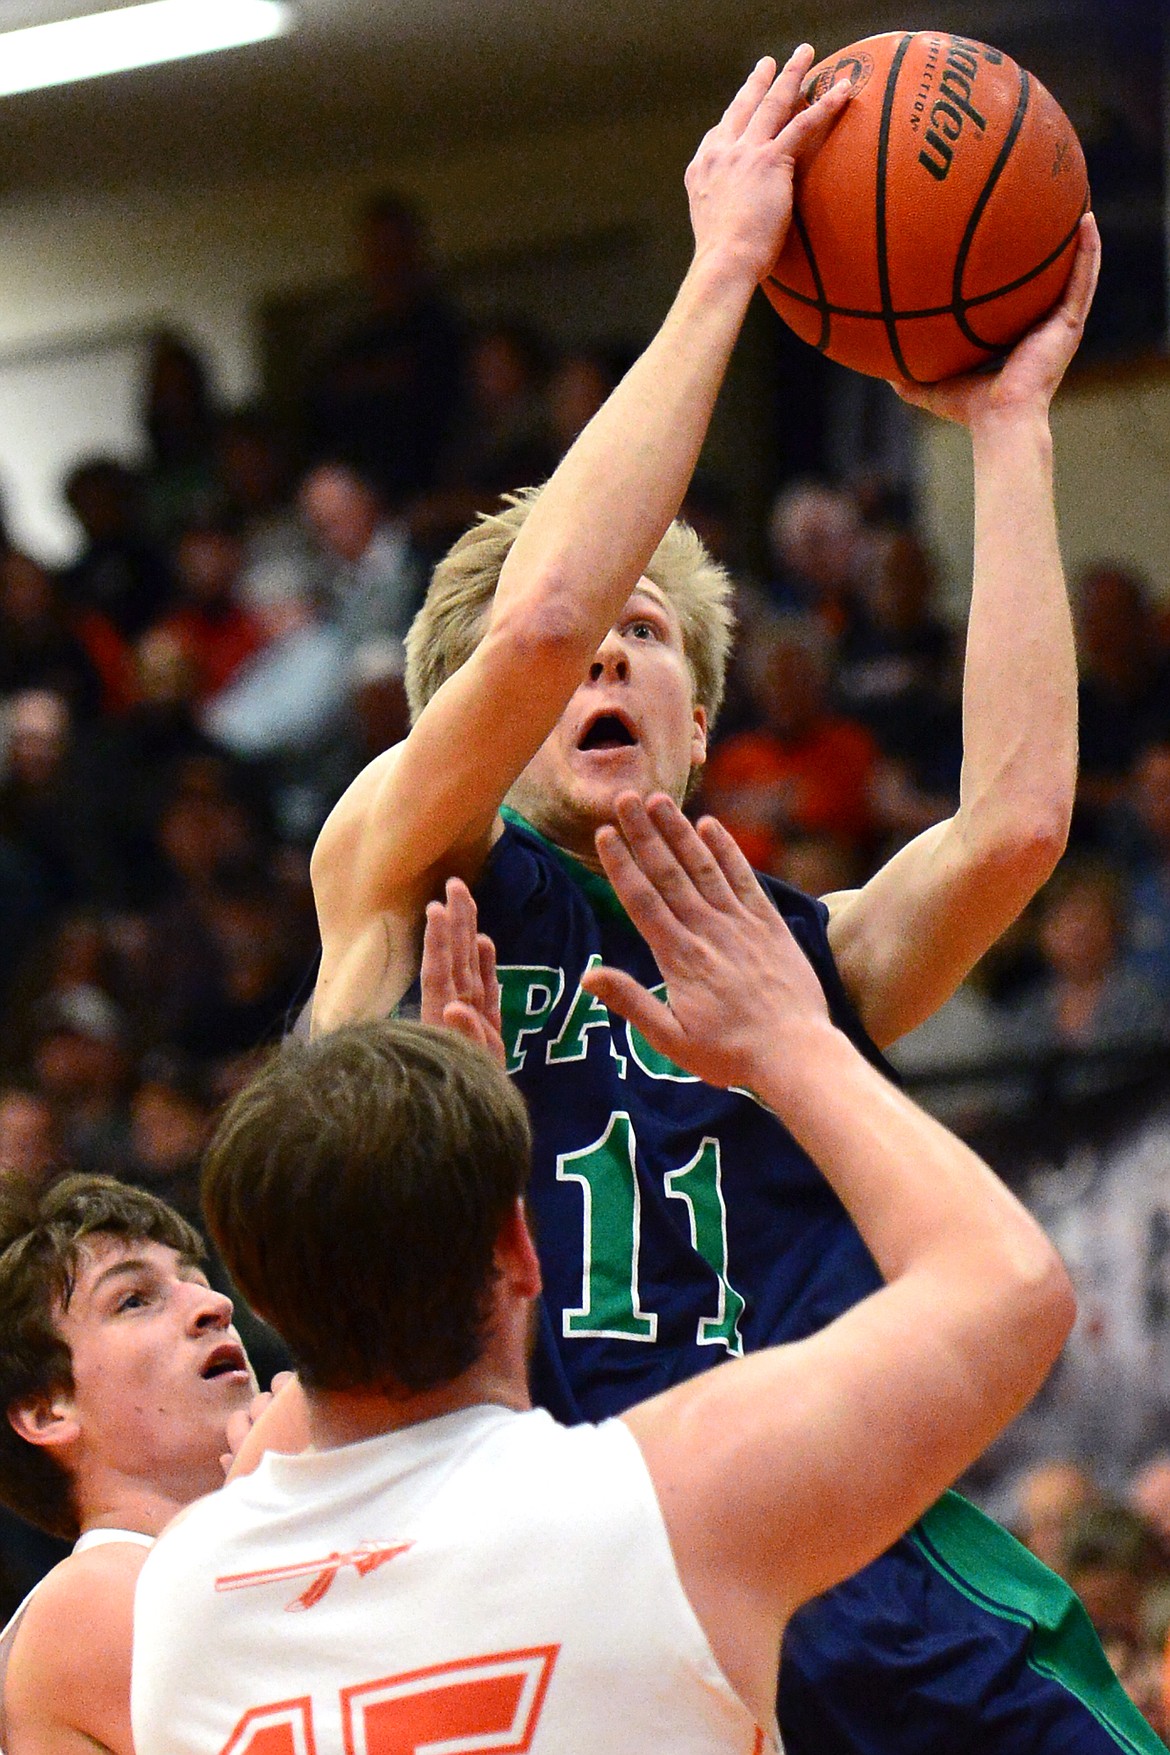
pixel 119 1370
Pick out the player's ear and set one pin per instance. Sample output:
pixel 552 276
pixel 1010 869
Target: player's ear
pixel 699 736
pixel 516 1257
pixel 47 1420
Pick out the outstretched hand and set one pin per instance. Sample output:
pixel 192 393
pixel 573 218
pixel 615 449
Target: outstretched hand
pixel 735 976
pixel 740 180
pixel 1031 373
pixel 458 976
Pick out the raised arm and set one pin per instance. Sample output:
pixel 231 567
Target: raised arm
pixel 907 938
pixel 429 807
pixel 782 1473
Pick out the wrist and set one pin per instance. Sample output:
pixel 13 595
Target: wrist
pixel 797 1056
pixel 993 428
pixel 724 270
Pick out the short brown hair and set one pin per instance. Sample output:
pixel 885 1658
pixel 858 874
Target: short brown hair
pixel 356 1189
pixel 451 622
pixel 42 1235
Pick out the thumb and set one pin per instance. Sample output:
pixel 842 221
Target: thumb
pixel 620 993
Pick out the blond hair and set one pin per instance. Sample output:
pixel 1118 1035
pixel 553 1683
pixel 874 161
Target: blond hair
pixel 452 620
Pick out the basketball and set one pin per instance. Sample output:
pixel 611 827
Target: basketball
pixel 939 219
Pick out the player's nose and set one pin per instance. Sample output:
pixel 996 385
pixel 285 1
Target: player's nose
pixel 209 1309
pixel 612 659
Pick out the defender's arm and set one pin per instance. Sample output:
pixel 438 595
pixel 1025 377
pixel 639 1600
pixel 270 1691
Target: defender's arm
pixel 782 1473
pixel 906 939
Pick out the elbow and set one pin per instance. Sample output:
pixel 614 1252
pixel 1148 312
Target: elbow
pixel 1021 850
pixel 1044 1302
pixel 1058 1302
pixel 544 626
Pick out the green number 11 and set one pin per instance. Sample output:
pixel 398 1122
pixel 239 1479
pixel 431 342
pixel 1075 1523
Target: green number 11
pixel 610 1305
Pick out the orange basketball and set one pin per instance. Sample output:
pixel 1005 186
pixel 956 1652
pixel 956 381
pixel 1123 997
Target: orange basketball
pixel 938 221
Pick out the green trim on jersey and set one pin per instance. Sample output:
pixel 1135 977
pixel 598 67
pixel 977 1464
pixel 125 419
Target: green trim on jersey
pixel 597 889
pixel 990 1568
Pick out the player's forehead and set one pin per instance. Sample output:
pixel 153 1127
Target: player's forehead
pixel 105 1258
pixel 646 595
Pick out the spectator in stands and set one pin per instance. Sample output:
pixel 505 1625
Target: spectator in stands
pixel 376 581
pixel 216 631
pixel 578 385
pixel 818 550
pixel 41 647
pixel 1110 1561
pixel 150 742
pixel 1088 999
pixel 808 770
pixel 1149 1497
pixel 254 475
pixel 897 659
pixel 1050 1498
pixel 179 422
pixel 1124 695
pixel 502 442
pixel 43 808
pixel 389 394
pixel 170 1121
pixel 121 573
pixel 23 907
pixel 1148 931
pixel 287 698
pixel 81 1062
pixel 30 1142
pixel 219 959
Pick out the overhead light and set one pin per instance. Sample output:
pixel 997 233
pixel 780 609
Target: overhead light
pixel 133 36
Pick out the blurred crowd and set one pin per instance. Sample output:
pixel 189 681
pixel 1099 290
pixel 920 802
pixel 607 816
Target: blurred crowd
pixel 181 706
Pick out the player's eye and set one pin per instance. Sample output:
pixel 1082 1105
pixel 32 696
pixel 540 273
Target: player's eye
pixel 135 1299
pixel 643 630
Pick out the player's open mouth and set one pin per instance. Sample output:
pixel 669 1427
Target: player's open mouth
pixel 227 1360
pixel 609 731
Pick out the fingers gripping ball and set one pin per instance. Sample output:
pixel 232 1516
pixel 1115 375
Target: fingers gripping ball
pixel 938 221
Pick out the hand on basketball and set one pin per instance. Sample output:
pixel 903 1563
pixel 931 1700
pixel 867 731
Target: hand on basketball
pixel 458 977
pixel 736 978
pixel 740 181
pixel 1028 378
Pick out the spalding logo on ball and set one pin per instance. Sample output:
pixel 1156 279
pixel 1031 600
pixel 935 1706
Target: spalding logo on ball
pixel 939 219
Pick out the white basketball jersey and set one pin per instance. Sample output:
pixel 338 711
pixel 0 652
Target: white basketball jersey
pixel 487 1581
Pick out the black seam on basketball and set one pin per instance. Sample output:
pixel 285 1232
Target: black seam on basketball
pixel 821 303
pixel 958 304
pixel 1009 286
pixel 883 152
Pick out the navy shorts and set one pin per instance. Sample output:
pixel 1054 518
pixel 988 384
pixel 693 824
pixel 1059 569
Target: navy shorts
pixel 957 1641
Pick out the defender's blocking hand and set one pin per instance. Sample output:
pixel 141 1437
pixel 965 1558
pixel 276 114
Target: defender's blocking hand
pixel 458 975
pixel 736 978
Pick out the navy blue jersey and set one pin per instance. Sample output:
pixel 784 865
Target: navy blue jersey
pixel 678 1224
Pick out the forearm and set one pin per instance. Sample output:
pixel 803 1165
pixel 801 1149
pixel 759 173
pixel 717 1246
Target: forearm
pixel 608 504
pixel 1020 680
pixel 916 1193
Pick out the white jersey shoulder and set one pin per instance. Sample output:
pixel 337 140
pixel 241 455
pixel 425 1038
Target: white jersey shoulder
pixel 487 1580
pixel 90 1539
